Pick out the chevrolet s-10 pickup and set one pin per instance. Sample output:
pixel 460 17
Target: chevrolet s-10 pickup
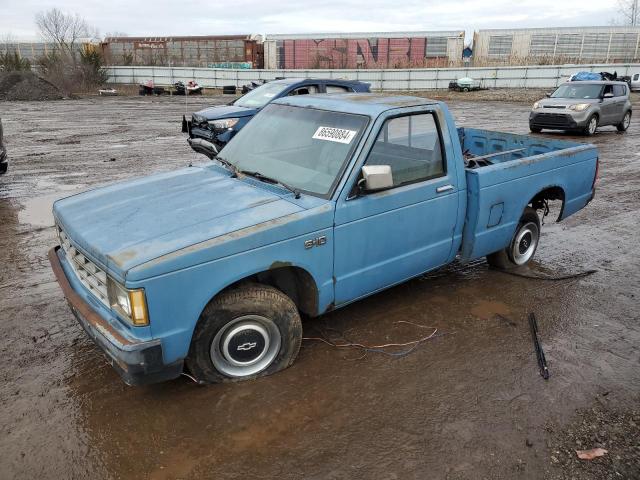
pixel 320 201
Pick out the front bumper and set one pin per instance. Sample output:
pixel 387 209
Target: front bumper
pixel 137 362
pixel 203 146
pixel 559 121
pixel 206 140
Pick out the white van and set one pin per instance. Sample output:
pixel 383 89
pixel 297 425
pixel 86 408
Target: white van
pixel 635 82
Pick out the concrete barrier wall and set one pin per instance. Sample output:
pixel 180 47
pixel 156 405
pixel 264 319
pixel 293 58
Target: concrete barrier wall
pixel 537 76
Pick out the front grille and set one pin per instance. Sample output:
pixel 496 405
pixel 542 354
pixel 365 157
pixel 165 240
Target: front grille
pixel 93 278
pixel 554 119
pixel 199 132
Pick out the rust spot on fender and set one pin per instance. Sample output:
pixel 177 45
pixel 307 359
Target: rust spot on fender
pixel 121 258
pixel 279 264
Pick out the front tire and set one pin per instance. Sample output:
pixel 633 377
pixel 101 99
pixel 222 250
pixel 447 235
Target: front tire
pixel 248 332
pixel 535 129
pixel 624 124
pixel 591 126
pixel 523 245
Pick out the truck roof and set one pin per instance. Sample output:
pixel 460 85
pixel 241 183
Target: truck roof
pixel 371 104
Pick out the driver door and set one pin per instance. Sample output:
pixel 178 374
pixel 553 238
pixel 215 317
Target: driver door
pixel 608 106
pixel 383 238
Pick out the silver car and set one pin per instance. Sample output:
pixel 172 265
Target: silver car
pixel 583 106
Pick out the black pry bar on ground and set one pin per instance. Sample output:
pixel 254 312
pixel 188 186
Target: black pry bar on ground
pixel 542 361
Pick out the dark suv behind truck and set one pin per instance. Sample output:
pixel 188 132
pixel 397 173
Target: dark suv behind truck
pixel 3 153
pixel 212 128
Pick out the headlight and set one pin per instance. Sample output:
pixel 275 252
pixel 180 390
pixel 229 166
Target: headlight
pixel 131 304
pixel 579 107
pixel 535 105
pixel 223 124
pixel 197 119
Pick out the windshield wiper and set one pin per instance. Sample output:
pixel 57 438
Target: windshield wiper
pixel 268 179
pixel 228 164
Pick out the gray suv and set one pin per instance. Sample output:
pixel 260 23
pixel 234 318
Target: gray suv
pixel 583 106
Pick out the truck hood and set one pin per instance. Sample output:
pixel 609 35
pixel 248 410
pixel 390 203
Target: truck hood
pixel 222 111
pixel 126 224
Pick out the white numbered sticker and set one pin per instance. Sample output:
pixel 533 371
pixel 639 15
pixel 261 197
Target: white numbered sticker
pixel 332 134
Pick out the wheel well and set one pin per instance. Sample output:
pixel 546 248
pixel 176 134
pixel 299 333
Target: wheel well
pixel 295 282
pixel 539 202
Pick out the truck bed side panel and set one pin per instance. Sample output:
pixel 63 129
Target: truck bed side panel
pixel 498 194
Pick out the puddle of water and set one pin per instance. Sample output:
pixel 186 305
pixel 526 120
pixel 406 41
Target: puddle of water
pixel 36 211
pixel 485 309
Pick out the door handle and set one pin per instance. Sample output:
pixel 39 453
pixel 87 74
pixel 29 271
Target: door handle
pixel 444 188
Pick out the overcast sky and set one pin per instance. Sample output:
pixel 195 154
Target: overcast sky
pixel 198 17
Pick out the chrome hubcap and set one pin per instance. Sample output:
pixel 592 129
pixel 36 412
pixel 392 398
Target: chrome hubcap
pixel 245 346
pixel 627 120
pixel 525 243
pixel 593 124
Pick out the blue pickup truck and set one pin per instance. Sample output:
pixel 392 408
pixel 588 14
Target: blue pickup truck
pixel 319 202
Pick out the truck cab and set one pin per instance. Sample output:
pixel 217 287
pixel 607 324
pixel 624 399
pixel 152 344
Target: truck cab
pixel 319 202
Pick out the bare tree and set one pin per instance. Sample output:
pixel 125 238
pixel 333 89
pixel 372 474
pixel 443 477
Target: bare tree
pixel 629 12
pixel 72 65
pixel 115 34
pixel 64 30
pixel 6 41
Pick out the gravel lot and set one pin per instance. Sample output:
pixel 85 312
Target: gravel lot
pixel 469 404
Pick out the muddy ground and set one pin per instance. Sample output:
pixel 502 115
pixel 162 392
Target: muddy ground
pixel 469 404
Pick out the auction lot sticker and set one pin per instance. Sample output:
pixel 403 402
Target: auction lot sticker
pixel 332 134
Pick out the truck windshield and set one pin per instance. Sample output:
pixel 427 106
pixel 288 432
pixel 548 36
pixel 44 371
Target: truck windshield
pixel 577 90
pixel 300 147
pixel 260 96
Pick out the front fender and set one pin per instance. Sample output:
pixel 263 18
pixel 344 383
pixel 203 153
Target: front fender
pixel 176 300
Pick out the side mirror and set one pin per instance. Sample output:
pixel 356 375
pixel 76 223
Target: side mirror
pixel 548 95
pixel 376 177
pixel 608 95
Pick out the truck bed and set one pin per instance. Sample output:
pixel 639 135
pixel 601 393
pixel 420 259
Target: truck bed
pixel 498 192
